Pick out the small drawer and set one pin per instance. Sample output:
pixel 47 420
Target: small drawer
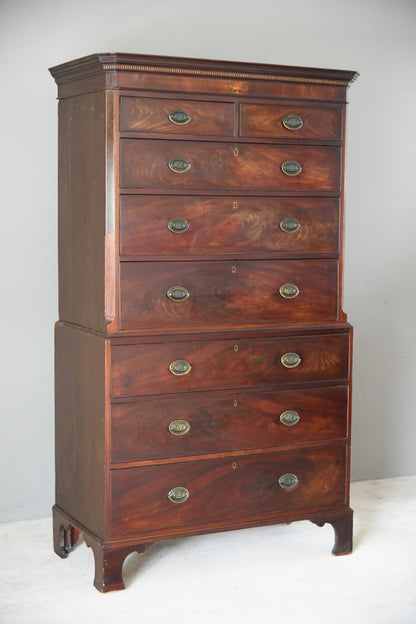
pixel 175 427
pixel 220 490
pixel 219 364
pixel 195 165
pixel 290 122
pixel 194 226
pixel 142 114
pixel 223 293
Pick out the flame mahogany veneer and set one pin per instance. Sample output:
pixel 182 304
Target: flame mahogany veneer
pixel 203 359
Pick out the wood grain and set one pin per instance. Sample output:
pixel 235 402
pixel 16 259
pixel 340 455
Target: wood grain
pixel 228 166
pixel 233 226
pixel 226 293
pixel 216 364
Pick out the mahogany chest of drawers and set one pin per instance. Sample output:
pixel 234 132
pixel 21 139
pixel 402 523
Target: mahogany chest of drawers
pixel 203 360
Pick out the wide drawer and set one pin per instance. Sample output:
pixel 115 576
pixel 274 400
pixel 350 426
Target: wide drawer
pixel 221 293
pixel 187 366
pixel 199 492
pixel 291 122
pixel 141 114
pixel 157 225
pixel 210 165
pixel 174 427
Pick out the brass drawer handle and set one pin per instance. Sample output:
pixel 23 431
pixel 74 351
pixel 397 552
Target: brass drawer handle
pixel 178 225
pixel 179 427
pixel 290 360
pixel 180 367
pixel 178 294
pixel 178 495
pixel 292 122
pixel 179 165
pixel 291 168
pixel 179 117
pixel 289 225
pixel 289 418
pixel 288 481
pixel 289 291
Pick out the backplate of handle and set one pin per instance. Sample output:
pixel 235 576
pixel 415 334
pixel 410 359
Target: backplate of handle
pixel 288 481
pixel 178 494
pixel 180 367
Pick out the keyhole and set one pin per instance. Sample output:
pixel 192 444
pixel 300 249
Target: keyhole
pixel 235 348
pixel 234 465
pixel 235 205
pixel 234 269
pixel 235 151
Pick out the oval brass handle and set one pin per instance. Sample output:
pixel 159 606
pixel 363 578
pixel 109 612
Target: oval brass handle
pixel 289 291
pixel 292 122
pixel 178 225
pixel 179 117
pixel 178 294
pixel 178 495
pixel 289 418
pixel 179 165
pixel 291 168
pixel 290 360
pixel 288 481
pixel 289 225
pixel 179 427
pixel 180 367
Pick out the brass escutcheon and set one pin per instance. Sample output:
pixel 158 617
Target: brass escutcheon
pixel 180 117
pixel 179 427
pixel 289 291
pixel 289 418
pixel 178 225
pixel 178 494
pixel 178 294
pixel 290 360
pixel 288 481
pixel 179 165
pixel 291 168
pixel 289 225
pixel 292 122
pixel 180 367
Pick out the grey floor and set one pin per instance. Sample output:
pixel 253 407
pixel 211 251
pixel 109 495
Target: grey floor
pixel 281 574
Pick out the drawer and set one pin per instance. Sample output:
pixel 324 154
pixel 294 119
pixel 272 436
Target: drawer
pixel 222 490
pixel 188 366
pixel 142 114
pixel 161 226
pixel 146 164
pixel 224 293
pixel 290 122
pixel 174 427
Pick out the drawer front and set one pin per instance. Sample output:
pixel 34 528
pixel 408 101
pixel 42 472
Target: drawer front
pixel 157 225
pixel 153 368
pixel 174 427
pixel 141 114
pixel 225 489
pixel 184 294
pixel 146 164
pixel 290 122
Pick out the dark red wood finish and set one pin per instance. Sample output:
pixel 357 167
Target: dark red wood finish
pixel 227 166
pixel 152 115
pixel 228 226
pixel 226 293
pixel 216 364
pixel 223 489
pixel 267 120
pixel 219 422
pixel 122 119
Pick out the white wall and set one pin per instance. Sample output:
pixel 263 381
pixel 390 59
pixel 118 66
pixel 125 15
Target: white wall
pixel 375 37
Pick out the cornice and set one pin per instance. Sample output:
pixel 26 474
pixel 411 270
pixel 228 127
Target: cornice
pixel 119 62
